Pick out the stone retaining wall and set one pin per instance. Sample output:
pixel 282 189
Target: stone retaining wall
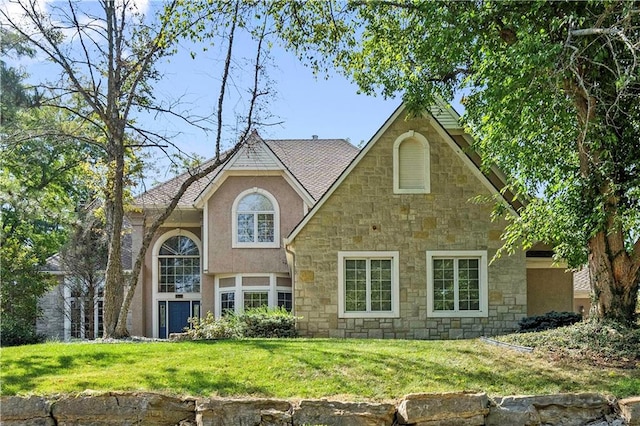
pixel 450 409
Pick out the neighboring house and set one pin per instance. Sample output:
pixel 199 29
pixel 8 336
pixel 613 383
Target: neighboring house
pixel 582 291
pixel 73 309
pixel 384 242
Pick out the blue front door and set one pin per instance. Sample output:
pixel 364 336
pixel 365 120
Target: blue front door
pixel 174 316
pixel 179 313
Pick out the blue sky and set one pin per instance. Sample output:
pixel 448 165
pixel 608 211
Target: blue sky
pixel 303 104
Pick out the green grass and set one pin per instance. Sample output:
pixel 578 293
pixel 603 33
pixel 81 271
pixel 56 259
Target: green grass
pixel 300 368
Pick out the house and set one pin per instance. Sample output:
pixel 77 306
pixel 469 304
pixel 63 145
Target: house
pixel 582 291
pixel 383 242
pixel 73 309
pixel 222 248
pixel 414 257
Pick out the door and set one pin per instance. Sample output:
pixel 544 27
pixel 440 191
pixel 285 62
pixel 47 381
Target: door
pixel 179 313
pixel 174 316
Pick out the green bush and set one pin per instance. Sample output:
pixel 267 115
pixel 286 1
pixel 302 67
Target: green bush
pixel 267 322
pixel 257 322
pixel 210 328
pixel 15 333
pixel 548 321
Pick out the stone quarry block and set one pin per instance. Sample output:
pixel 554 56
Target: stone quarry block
pixel 334 413
pixel 630 410
pixel 243 412
pixel 114 408
pixel 560 409
pixel 29 411
pixel 468 409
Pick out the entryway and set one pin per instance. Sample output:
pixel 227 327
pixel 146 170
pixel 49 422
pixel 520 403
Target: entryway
pixel 173 315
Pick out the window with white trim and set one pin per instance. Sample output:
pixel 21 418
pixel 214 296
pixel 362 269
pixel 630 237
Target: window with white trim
pixel 285 300
pixel 238 292
pixel 457 284
pixel 368 284
pixel 227 302
pixel 411 168
pixel 255 220
pixel 179 266
pixel 255 299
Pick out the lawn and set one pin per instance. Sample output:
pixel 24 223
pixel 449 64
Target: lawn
pixel 301 368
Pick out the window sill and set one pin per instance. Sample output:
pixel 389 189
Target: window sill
pixel 255 245
pixel 458 314
pixel 368 315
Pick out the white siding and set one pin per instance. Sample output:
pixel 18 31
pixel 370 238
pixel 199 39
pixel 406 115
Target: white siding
pixel 254 157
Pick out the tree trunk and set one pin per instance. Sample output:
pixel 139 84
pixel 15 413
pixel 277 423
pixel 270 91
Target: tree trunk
pixel 114 205
pixel 113 287
pixel 614 281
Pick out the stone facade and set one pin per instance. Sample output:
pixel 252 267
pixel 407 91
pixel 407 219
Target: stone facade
pixel 52 309
pixel 364 214
pixel 464 409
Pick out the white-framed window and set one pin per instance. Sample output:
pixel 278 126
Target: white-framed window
pixel 255 220
pixel 84 309
pixel 368 284
pixel 179 265
pixel 411 164
pixel 237 292
pixel 457 283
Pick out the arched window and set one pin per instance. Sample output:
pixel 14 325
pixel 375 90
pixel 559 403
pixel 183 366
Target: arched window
pixel 255 220
pixel 179 266
pixel 411 164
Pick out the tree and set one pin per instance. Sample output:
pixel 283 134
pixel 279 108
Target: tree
pixel 42 179
pixel 553 100
pixel 83 260
pixel 107 55
pixel 12 91
pixel 39 185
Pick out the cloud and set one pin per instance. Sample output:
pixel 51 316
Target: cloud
pixel 140 6
pixel 12 10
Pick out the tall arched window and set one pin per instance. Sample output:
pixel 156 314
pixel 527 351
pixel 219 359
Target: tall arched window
pixel 255 220
pixel 179 266
pixel 411 164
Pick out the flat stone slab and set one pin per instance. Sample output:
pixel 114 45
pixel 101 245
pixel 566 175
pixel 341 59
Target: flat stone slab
pixel 335 413
pixel 468 409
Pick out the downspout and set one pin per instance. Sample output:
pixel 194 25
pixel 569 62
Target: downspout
pixel 291 260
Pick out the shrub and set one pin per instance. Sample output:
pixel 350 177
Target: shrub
pixel 256 322
pixel 14 333
pixel 598 342
pixel 267 322
pixel 548 321
pixel 210 328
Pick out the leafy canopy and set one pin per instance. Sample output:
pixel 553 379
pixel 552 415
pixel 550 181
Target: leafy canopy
pixel 552 95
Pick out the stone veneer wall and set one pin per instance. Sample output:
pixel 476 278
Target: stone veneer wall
pixel 363 214
pixel 461 409
pixel 50 323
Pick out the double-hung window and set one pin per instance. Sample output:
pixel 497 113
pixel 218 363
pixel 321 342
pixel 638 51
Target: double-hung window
pixel 368 284
pixel 457 284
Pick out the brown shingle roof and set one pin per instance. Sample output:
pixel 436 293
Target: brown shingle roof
pixel 162 193
pixel 315 163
